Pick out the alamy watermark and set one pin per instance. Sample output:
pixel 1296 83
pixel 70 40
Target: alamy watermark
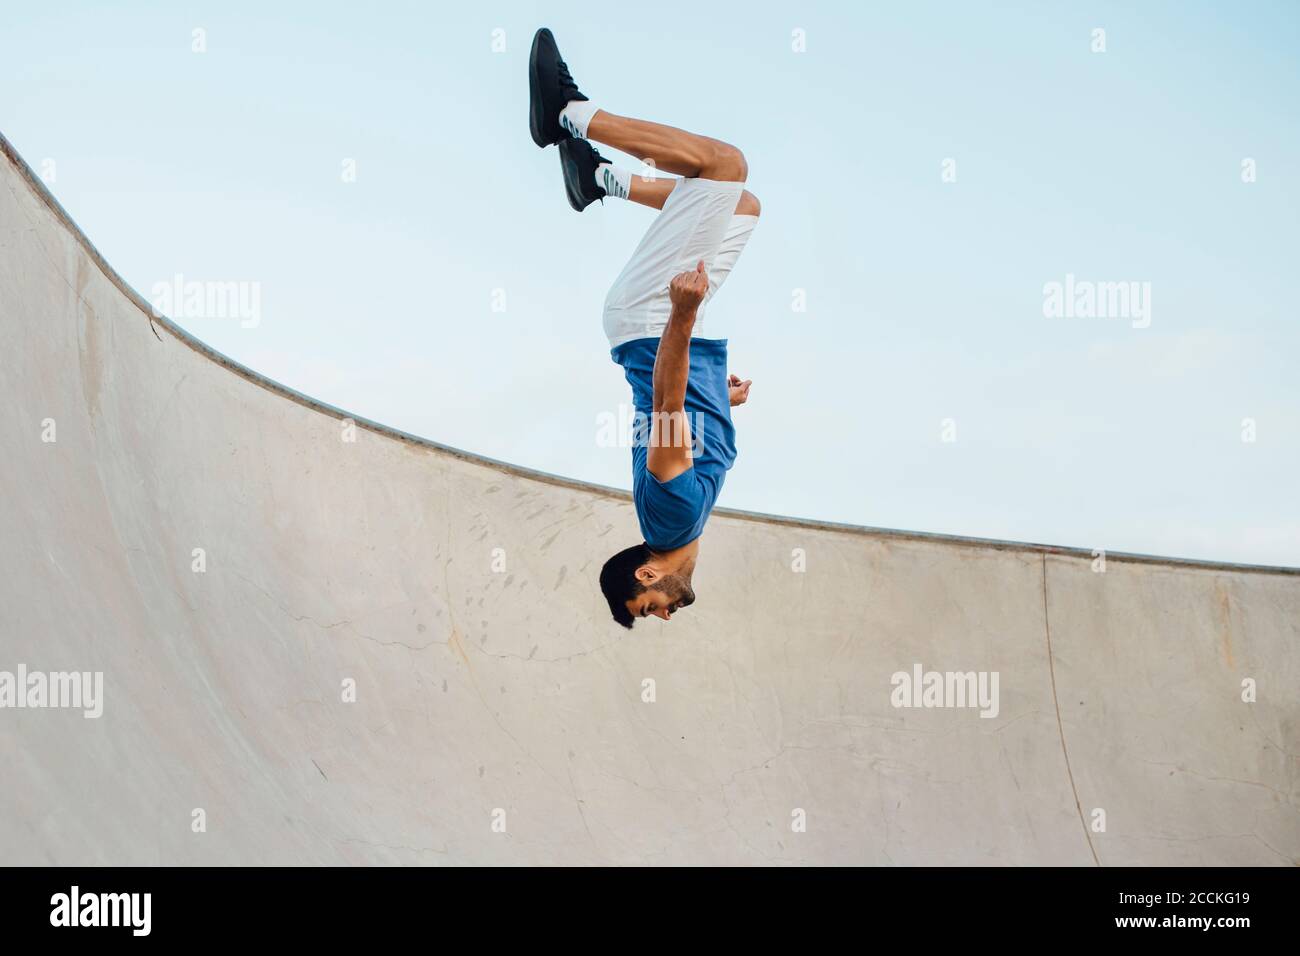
pixel 71 690
pixel 1085 299
pixel 180 298
pixel 633 428
pixel 922 688
pixel 75 908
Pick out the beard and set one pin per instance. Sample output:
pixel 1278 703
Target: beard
pixel 677 587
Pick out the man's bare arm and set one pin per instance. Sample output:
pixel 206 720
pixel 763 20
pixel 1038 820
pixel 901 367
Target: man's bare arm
pixel 669 454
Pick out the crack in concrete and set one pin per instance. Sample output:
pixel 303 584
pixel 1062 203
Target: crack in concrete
pixel 1060 728
pixel 441 851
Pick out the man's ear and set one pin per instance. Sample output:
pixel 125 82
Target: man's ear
pixel 646 574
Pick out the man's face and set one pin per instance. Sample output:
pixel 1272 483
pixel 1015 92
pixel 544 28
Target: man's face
pixel 665 595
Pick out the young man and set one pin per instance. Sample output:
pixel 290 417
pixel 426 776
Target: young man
pixel 653 316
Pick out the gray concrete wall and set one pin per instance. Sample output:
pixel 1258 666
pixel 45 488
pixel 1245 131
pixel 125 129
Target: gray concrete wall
pixel 481 691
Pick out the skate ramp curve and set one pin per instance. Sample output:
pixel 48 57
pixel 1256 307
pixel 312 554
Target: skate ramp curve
pixel 213 545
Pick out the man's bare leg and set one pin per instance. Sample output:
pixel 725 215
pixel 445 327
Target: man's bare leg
pixel 651 191
pixel 672 150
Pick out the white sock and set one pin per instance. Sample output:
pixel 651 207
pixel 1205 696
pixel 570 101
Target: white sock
pixel 577 115
pixel 615 180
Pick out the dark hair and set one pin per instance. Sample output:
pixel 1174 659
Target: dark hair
pixel 618 581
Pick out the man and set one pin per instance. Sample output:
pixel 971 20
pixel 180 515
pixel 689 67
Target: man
pixel 653 317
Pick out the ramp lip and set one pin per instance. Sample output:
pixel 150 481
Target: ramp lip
pixel 256 378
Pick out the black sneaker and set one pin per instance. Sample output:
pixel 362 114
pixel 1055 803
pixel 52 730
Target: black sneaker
pixel 578 162
pixel 550 87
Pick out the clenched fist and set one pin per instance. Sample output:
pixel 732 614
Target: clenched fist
pixel 737 390
pixel 688 289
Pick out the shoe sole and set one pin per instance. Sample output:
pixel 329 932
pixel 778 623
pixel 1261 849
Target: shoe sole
pixel 569 169
pixel 536 117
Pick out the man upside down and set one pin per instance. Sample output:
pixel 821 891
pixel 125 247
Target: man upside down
pixel 653 313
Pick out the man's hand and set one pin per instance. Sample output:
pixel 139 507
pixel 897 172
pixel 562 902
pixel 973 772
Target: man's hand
pixel 688 290
pixel 739 390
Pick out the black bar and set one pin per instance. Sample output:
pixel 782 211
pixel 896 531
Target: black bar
pixel 548 907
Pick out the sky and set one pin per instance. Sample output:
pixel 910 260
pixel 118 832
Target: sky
pixel 928 171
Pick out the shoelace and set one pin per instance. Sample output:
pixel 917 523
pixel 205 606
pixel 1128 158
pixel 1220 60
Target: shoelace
pixel 566 78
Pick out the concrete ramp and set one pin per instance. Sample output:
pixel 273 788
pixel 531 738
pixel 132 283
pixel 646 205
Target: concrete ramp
pixel 213 544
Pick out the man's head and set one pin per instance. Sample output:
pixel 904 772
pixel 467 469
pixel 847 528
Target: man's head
pixel 638 582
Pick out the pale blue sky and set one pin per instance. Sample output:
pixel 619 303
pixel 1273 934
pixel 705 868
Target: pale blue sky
pixel 925 298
